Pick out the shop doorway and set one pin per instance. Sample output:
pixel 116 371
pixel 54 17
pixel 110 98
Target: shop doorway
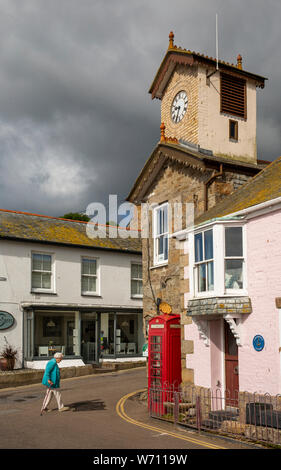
pixel 89 335
pixel 231 367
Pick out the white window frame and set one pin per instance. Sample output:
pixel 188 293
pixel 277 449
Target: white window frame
pixel 219 260
pixel 159 261
pixel 204 261
pixel 244 277
pixel 136 296
pixel 97 276
pixel 52 272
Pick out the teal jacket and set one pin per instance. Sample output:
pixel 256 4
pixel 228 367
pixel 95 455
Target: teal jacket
pixel 52 373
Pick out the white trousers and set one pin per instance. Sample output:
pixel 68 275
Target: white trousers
pixel 50 392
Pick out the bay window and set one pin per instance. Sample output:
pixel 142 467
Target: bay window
pixel 218 260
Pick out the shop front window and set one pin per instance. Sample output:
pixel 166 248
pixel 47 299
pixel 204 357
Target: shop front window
pixel 121 334
pixel 89 344
pixel 127 334
pixel 56 332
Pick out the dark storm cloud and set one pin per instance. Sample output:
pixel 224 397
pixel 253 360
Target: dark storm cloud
pixel 76 120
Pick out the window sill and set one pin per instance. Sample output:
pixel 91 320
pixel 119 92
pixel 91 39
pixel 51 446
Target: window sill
pixel 43 292
pixel 137 297
pixel 209 295
pixel 89 294
pixel 47 358
pixel 155 266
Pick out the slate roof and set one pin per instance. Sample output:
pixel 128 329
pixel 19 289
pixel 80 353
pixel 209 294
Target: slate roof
pixel 188 157
pixel 179 55
pixel 266 185
pixel 39 228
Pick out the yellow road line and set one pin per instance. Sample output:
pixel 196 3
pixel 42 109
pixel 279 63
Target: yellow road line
pixel 121 412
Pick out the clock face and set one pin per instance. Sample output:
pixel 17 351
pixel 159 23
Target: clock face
pixel 179 106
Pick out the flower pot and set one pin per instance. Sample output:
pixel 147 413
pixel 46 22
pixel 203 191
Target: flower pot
pixel 7 364
pixel 3 363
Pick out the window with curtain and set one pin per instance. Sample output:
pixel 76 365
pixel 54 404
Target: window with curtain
pixel 41 276
pixel 89 277
pixel 204 261
pixel 234 260
pixel 136 280
pixel 161 234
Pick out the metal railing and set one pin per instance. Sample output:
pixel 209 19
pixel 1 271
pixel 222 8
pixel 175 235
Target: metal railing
pixel 246 415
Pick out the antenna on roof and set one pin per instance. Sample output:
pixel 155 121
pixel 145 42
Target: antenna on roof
pixel 217 55
pixel 217 42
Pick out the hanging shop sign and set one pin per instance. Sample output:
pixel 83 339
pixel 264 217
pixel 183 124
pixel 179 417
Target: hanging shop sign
pixel 6 320
pixel 258 342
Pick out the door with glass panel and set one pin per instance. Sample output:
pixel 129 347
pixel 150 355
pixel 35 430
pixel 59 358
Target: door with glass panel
pixel 89 337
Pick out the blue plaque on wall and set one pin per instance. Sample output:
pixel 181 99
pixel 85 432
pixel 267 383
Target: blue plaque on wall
pixel 258 343
pixel 6 320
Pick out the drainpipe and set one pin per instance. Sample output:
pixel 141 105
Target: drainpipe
pixel 207 184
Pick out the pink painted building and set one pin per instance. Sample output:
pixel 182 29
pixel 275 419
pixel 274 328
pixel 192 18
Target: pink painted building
pixel 234 302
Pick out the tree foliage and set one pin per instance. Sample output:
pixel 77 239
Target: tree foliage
pixel 76 216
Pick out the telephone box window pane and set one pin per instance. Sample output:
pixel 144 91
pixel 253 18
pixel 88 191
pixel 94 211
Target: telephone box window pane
pixel 198 247
pixel 156 356
pixel 156 382
pixel 156 364
pixel 233 241
pixel 208 243
pixel 156 339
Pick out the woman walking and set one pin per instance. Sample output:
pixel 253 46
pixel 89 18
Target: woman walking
pixel 51 380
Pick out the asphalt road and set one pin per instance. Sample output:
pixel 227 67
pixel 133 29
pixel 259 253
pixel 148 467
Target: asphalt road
pixel 105 417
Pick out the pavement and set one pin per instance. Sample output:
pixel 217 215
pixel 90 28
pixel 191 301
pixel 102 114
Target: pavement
pixel 106 413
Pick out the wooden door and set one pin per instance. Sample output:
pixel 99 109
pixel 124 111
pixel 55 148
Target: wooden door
pixel 231 367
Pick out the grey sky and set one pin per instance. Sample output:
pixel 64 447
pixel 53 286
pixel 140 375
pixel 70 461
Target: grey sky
pixel 76 120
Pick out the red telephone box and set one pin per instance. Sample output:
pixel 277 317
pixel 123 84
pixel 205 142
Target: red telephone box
pixel 164 359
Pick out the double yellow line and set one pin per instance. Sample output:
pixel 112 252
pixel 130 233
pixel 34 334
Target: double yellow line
pixel 121 412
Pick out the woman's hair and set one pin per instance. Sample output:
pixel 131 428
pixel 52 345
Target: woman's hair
pixel 58 355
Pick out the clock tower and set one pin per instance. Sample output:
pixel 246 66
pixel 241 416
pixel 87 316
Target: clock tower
pixel 208 104
pixel 206 152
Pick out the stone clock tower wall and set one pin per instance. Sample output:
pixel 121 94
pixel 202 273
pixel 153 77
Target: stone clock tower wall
pixel 183 79
pixel 213 126
pixel 203 123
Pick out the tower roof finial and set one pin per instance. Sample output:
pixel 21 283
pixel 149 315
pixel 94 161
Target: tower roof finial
pixel 239 61
pixel 171 40
pixel 162 129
